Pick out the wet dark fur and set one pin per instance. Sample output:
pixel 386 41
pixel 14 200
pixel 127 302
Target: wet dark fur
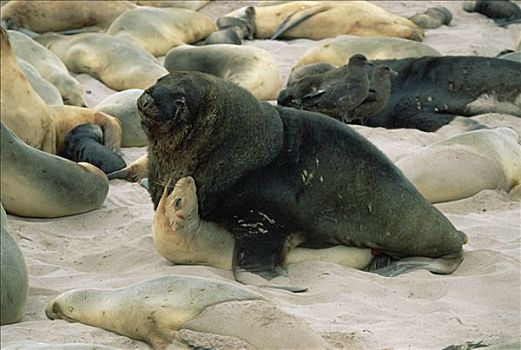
pixel 264 172
pixel 503 12
pixel 430 92
pixel 84 143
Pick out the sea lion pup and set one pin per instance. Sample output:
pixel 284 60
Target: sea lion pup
pixel 249 67
pixel 326 19
pixel 433 18
pixel 167 305
pixel 181 237
pixel 84 143
pixel 503 12
pixel 158 30
pixel 14 278
pixel 122 105
pixel 41 126
pixel 335 93
pixel 48 92
pixel 466 164
pixel 55 16
pixel 338 52
pixel 131 66
pixel 50 67
pixel 232 30
pixel 134 172
pixel 430 92
pixel 196 126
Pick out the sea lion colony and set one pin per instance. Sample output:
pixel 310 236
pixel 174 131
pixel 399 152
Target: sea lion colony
pixel 273 185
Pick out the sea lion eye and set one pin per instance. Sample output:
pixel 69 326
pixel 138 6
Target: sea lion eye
pixel 177 202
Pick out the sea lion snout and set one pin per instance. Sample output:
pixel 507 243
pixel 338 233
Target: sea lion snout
pixel 146 104
pixel 53 310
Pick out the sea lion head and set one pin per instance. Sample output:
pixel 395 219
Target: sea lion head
pixel 180 207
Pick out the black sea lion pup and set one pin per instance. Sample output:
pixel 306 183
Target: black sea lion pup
pixel 84 143
pixel 503 12
pixel 266 172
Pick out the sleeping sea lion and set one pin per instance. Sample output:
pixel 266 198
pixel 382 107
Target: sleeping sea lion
pixel 131 66
pixel 48 92
pixel 326 19
pixel 265 172
pixel 55 16
pixel 50 67
pixel 429 92
pixel 39 184
pixel 191 5
pixel 122 105
pixel 340 50
pixel 433 18
pixel 167 305
pixel 158 30
pixel 503 12
pixel 84 143
pixel 37 124
pixel 14 278
pixel 249 67
pixel 466 164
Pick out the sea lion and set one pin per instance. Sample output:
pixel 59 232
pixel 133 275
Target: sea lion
pixel 48 92
pixel 325 19
pixel 510 55
pixel 131 66
pixel 50 67
pixel 122 105
pixel 84 143
pixel 55 16
pixel 181 237
pixel 31 345
pixel 191 5
pixel 261 170
pixel 430 92
pixel 134 172
pixel 158 30
pixel 433 18
pixel 249 67
pixel 466 164
pixel 503 12
pixel 378 48
pixel 41 126
pixel 39 184
pixel 308 69
pixel 173 303
pixel 14 278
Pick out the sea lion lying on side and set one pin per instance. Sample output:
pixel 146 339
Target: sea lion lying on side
pixel 503 12
pixel 326 19
pixel 429 92
pixel 265 172
pixel 168 305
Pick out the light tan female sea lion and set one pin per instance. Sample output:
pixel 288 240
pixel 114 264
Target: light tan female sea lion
pixel 378 48
pixel 158 30
pixel 48 92
pixel 13 275
pixel 155 310
pixel 130 66
pixel 54 16
pixel 50 67
pixel 181 237
pixel 466 164
pixel 39 184
pixel 249 67
pixel 41 126
pixel 329 19
pixel 191 5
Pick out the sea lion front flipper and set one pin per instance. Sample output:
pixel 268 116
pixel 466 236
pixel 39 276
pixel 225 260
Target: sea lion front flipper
pixel 303 15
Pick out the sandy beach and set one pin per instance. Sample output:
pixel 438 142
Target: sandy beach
pixel 112 247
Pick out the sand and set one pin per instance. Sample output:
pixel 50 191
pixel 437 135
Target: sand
pixel 112 247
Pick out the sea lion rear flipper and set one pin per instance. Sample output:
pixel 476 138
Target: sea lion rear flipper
pixel 443 265
pixel 303 15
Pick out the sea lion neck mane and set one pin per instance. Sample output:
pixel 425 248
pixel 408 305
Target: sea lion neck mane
pixel 179 115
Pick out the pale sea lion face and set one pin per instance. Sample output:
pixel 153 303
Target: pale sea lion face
pixel 181 204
